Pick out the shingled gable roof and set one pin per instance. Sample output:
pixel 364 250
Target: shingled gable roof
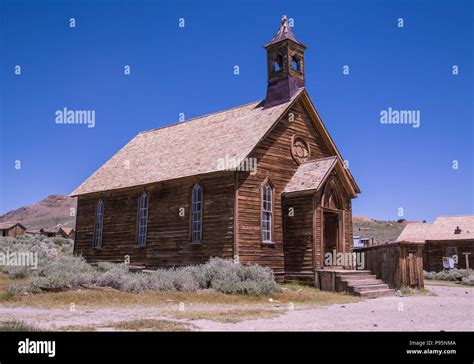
pixel 415 232
pixel 10 224
pixel 310 175
pixel 188 148
pixel 196 146
pixel 442 229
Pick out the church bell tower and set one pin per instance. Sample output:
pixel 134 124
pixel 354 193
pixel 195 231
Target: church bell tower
pixel 285 65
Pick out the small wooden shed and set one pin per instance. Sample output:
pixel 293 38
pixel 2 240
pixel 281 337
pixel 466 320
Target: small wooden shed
pixel 399 264
pixel 11 229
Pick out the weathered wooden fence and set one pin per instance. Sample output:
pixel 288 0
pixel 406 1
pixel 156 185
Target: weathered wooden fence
pixel 397 264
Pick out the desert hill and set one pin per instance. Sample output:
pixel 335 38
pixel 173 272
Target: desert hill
pixel 380 230
pixel 49 213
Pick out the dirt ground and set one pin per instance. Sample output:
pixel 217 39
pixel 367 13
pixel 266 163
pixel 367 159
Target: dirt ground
pixel 450 309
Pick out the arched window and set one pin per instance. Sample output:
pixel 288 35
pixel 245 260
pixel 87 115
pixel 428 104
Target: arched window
pixel 142 219
pixel 331 197
pixel 196 217
pixel 295 63
pixel 99 220
pixel 267 212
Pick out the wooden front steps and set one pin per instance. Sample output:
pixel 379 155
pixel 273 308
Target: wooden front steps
pixel 363 284
pixel 360 283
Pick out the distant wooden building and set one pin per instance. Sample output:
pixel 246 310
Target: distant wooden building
pixel 33 232
pixel 259 183
pixel 11 229
pixel 49 232
pixel 66 232
pixel 360 242
pixel 448 237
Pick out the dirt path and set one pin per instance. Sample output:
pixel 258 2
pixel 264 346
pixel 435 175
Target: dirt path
pixel 452 309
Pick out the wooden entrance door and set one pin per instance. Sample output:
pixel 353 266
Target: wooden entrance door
pixel 331 234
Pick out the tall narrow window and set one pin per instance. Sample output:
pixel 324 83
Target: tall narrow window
pixel 99 219
pixel 267 212
pixel 142 219
pixel 196 218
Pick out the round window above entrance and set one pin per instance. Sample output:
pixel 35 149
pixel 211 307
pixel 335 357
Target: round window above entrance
pixel 299 149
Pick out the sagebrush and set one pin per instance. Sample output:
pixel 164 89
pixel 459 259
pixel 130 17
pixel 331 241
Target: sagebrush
pixel 465 276
pixel 59 270
pixel 46 250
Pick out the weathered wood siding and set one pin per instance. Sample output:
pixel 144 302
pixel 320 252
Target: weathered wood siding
pixel 435 251
pixel 298 234
pixel 275 162
pixel 13 232
pixel 349 233
pixel 397 264
pixel 168 235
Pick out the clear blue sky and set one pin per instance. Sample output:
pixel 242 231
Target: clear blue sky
pixel 190 70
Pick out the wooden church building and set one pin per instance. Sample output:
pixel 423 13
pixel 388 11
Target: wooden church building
pixel 259 183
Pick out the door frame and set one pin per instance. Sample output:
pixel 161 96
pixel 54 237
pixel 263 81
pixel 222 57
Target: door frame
pixel 340 246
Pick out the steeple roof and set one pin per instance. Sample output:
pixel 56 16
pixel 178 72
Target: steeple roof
pixel 284 33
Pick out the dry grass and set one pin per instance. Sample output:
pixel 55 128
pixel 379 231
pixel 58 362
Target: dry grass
pixel 435 282
pixel 15 326
pixel 201 305
pixel 6 281
pixel 132 325
pixel 152 325
pixel 407 291
pixel 309 296
pixel 228 316
pixel 85 299
pixel 81 328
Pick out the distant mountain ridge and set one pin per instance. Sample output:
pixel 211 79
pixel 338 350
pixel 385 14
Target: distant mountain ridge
pixel 50 213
